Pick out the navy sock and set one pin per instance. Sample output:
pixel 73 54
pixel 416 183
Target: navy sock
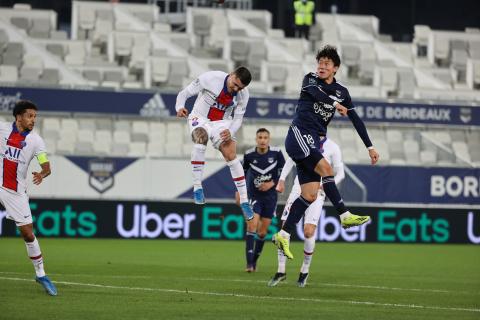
pixel 258 248
pixel 297 210
pixel 249 242
pixel 332 193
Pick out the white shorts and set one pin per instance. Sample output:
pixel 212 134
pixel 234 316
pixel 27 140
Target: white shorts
pixel 312 215
pixel 213 128
pixel 17 206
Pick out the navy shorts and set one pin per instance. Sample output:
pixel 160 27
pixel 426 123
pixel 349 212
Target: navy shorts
pixel 266 208
pixel 306 150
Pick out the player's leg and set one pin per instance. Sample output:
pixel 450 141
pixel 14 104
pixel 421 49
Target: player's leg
pixel 308 195
pixel 325 170
pixel 250 241
pixel 312 215
pixel 200 139
pixel 228 150
pixel 262 230
pixel 281 274
pixel 18 210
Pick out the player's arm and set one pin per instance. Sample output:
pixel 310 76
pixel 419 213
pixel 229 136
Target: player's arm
pixel 287 167
pixel 191 90
pixel 45 165
pixel 362 132
pixel 237 115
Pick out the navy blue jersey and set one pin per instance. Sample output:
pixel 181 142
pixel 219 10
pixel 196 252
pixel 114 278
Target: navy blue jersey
pixel 315 107
pixel 262 168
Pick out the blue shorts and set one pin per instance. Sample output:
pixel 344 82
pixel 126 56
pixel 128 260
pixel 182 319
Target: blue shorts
pixel 266 208
pixel 306 150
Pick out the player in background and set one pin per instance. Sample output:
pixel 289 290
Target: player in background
pixel 320 97
pixel 217 115
pixel 19 146
pixel 331 152
pixel 262 166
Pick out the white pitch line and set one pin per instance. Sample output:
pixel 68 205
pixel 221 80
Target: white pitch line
pixel 341 285
pixel 83 275
pixel 236 295
pixel 316 284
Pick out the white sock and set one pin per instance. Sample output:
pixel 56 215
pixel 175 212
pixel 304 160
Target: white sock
pixel 33 250
pixel 282 260
pixel 198 163
pixel 345 215
pixel 238 176
pixel 308 248
pixel 284 234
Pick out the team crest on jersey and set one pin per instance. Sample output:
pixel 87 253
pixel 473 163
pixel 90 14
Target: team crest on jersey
pixel 194 122
pixel 254 161
pixel 270 160
pixel 101 174
pixel 338 93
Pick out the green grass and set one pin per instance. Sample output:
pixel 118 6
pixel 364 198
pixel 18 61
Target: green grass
pixel 159 279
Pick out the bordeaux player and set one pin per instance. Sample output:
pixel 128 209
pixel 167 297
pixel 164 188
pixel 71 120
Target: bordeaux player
pixel 321 95
pixel 19 146
pixel 217 115
pixel 262 166
pixel 331 152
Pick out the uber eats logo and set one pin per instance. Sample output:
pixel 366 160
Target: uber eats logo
pixel 63 222
pixel 423 229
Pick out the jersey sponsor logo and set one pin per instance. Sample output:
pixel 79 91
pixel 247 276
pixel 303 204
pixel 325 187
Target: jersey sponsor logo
pixel 261 179
pixel 101 174
pixel 270 160
pixel 324 110
pixel 12 153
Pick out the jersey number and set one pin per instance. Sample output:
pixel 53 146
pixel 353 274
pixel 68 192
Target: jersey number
pixel 308 138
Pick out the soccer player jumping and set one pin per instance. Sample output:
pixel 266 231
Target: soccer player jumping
pixel 18 146
pixel 217 115
pixel 321 95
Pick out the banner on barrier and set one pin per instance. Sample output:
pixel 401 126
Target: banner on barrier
pixel 163 105
pixel 174 220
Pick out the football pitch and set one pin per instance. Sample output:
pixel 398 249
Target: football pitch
pixel 165 279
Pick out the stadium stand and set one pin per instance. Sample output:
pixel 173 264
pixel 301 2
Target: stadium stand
pixel 129 46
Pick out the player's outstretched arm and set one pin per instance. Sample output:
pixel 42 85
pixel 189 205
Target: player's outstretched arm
pixel 39 176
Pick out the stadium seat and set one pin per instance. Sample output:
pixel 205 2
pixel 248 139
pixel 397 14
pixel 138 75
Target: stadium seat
pixel 137 149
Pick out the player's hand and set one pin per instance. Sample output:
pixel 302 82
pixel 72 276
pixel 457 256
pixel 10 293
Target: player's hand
pixel 37 178
pixel 237 198
pixel 265 186
pixel 280 186
pixel 374 156
pixel 225 135
pixel 182 113
pixel 341 109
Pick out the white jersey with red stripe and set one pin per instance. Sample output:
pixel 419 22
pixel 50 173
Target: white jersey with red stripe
pixel 213 101
pixel 17 151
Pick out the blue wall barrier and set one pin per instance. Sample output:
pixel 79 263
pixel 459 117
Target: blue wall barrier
pixel 163 104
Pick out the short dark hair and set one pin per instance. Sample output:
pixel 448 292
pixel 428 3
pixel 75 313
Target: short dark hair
pixel 263 130
pixel 329 52
pixel 244 75
pixel 23 105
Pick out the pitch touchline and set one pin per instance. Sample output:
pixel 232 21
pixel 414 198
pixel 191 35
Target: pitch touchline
pixel 341 285
pixel 186 291
pixel 317 284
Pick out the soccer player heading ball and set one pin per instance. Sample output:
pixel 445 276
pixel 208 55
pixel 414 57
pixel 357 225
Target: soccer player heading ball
pixel 320 97
pixel 216 116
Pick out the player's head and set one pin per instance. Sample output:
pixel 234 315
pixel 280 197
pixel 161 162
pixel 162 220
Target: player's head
pixel 328 62
pixel 262 138
pixel 25 113
pixel 239 79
